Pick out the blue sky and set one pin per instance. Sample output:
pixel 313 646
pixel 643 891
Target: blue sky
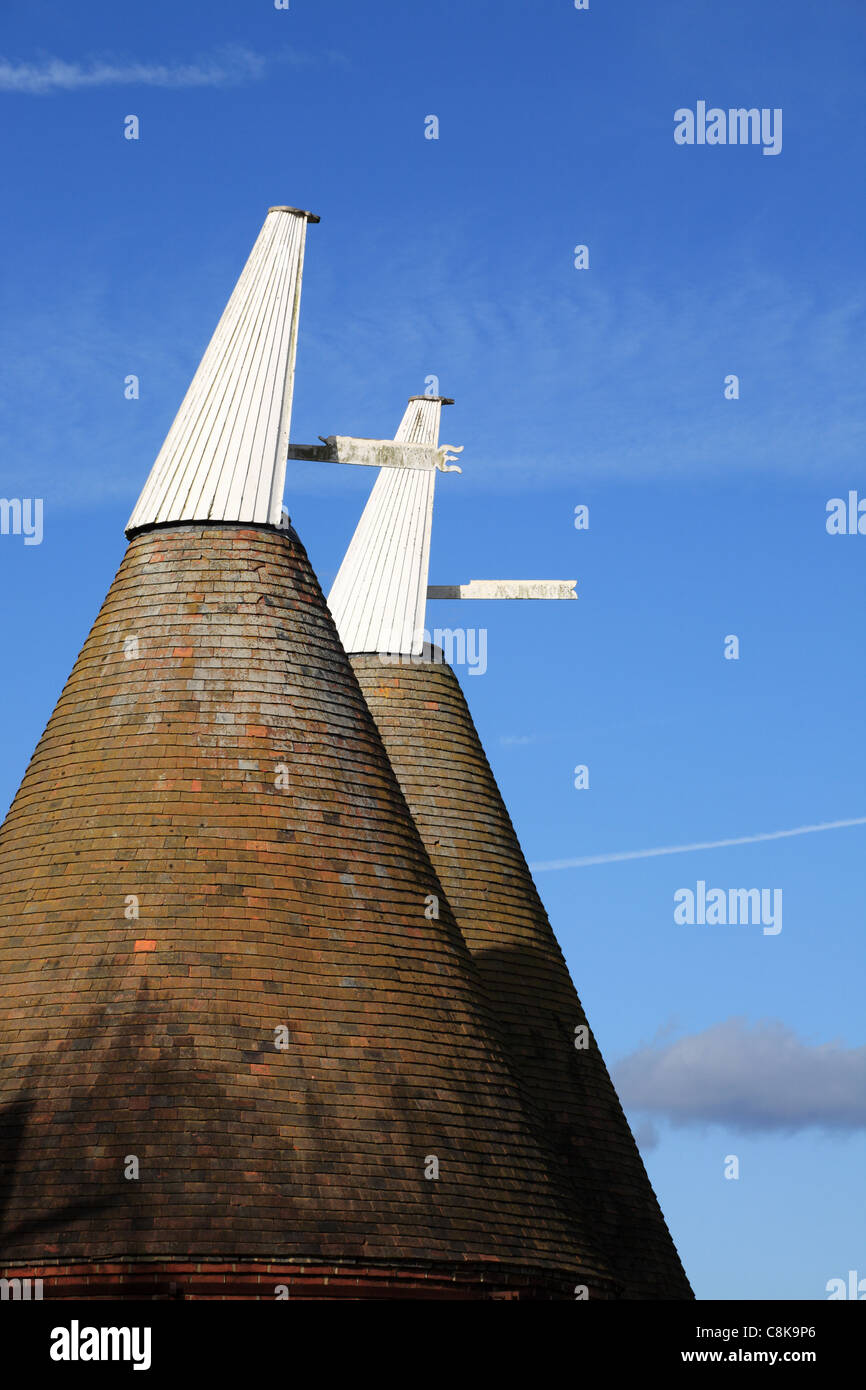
pixel 603 386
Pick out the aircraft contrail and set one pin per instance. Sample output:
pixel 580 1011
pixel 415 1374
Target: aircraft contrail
pixel 684 849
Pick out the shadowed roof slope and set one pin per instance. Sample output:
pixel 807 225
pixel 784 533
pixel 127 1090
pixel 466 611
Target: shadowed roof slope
pixel 434 748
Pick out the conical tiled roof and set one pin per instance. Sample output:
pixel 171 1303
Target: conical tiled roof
pixel 157 788
pixel 245 1045
pixel 434 748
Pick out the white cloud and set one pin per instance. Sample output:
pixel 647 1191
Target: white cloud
pixel 762 1078
pixel 225 68
pixel 606 378
pixel 646 1136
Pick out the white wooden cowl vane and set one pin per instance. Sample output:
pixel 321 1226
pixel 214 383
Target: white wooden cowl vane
pixel 379 597
pixel 224 458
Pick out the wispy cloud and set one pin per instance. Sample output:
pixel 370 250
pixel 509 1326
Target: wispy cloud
pixel 700 844
pixel 646 1135
pixel 517 740
pixel 227 67
pixel 755 1079
pixel 582 387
